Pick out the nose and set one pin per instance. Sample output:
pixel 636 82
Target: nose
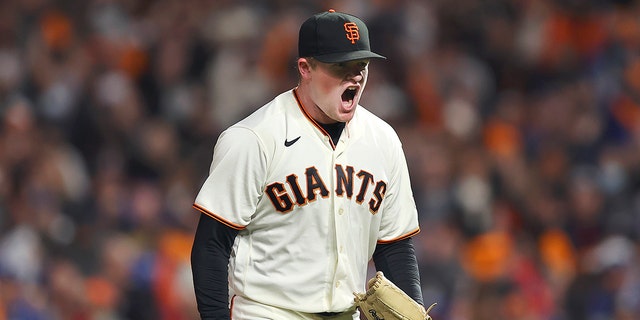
pixel 355 75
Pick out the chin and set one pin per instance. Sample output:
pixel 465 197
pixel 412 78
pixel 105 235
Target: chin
pixel 346 117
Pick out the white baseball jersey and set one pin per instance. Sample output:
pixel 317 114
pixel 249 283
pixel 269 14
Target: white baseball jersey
pixel 309 212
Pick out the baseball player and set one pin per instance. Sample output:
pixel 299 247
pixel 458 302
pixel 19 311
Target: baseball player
pixel 304 192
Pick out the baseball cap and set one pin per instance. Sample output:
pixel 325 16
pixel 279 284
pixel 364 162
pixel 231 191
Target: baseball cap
pixel 335 37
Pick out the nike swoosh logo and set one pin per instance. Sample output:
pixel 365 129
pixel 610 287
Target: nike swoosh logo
pixel 288 143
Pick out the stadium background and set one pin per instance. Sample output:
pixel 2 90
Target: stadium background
pixel 520 120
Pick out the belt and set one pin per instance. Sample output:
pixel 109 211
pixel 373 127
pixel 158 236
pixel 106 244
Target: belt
pixel 329 314
pixel 335 314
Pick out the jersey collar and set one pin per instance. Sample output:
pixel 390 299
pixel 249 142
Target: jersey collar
pixel 347 127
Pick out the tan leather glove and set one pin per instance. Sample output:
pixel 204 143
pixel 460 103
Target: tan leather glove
pixel 384 300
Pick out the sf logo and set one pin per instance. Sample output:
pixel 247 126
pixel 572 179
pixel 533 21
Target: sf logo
pixel 352 31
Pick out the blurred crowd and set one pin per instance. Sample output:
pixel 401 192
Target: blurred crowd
pixel 520 120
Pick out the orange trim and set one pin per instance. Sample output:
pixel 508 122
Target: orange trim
pixel 313 121
pixel 221 220
pixel 231 307
pixel 408 235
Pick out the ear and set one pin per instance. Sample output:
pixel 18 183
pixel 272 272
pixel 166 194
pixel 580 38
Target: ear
pixel 304 68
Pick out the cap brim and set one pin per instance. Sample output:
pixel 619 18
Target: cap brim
pixel 348 56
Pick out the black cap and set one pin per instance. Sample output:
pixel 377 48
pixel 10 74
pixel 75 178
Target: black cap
pixel 335 37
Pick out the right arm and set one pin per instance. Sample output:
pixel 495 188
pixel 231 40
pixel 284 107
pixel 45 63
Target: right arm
pixel 209 265
pixel 227 200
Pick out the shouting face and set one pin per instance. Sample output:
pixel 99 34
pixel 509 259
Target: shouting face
pixel 333 90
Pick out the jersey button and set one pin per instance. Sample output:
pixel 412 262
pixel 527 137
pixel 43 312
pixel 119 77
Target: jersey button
pixel 337 284
pixel 340 211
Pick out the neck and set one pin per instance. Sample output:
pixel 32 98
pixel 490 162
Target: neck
pixel 311 108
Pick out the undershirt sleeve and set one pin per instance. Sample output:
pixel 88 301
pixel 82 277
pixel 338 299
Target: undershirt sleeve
pixel 209 262
pixel 397 260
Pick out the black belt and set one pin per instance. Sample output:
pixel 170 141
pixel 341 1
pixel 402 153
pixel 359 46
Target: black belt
pixel 328 314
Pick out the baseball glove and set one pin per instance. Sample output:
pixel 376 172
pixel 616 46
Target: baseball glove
pixel 385 301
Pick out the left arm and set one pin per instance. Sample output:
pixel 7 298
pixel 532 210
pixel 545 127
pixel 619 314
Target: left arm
pixel 397 260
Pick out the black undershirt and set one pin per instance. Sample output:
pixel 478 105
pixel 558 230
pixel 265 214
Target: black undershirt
pixel 397 261
pixel 209 262
pixel 334 130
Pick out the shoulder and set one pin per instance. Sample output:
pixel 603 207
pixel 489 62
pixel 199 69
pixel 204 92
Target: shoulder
pixel 375 127
pixel 265 125
pixel 268 118
pixel 269 114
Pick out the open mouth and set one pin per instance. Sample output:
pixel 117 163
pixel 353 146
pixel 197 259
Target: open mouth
pixel 349 94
